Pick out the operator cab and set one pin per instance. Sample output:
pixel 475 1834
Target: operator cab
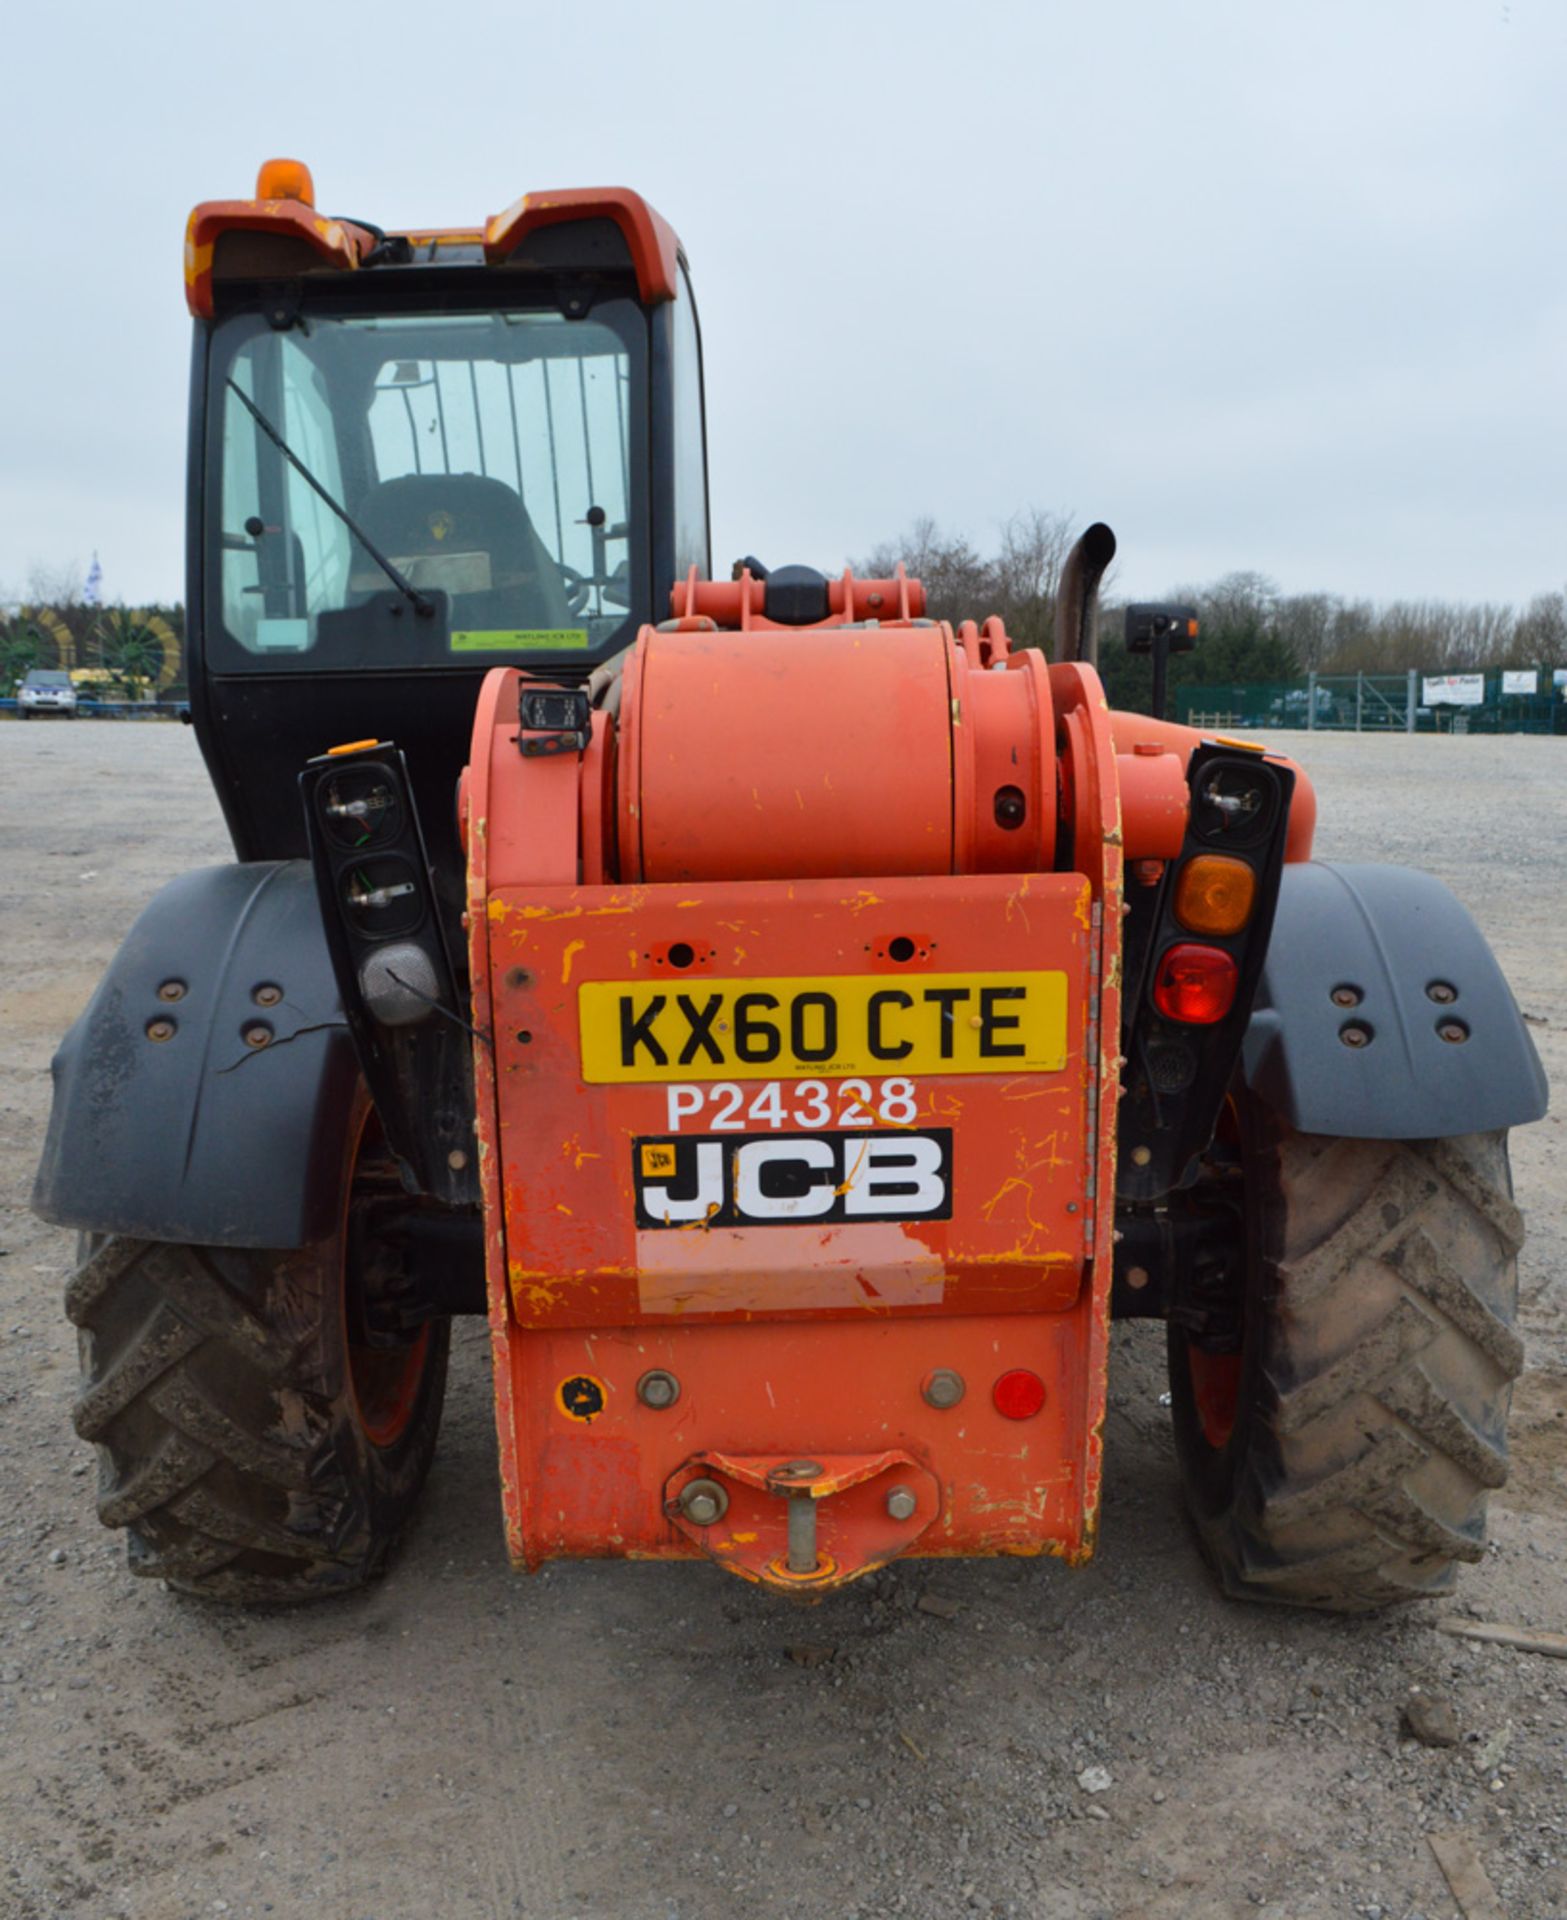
pixel 414 457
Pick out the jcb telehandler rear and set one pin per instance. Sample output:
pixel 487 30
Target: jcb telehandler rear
pixel 800 1025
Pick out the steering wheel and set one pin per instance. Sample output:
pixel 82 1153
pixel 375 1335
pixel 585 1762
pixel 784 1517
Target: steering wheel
pixel 579 590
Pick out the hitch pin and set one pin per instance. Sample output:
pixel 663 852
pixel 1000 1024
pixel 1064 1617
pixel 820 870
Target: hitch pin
pixel 802 1554
pixel 802 1533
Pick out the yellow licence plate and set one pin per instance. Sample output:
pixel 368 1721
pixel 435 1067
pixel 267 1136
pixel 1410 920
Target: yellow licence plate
pixel 928 1023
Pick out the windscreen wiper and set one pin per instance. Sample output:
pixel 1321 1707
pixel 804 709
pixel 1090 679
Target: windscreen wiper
pixel 397 577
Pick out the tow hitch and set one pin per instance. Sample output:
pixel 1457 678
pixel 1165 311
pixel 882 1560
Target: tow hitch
pixel 806 1525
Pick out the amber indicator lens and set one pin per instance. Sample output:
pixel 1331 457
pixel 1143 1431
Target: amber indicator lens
pixel 1215 894
pixel 1195 984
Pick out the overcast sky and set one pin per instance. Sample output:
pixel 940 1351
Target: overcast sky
pixel 1272 284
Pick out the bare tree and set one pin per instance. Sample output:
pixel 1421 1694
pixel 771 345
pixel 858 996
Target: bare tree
pixel 1541 634
pixel 55 586
pixel 1025 574
pixel 1306 623
pixel 953 573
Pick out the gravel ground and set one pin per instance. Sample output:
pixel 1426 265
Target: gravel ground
pixel 636 1742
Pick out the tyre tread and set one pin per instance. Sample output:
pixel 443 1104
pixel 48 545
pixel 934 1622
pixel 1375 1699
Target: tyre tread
pixel 220 1433
pixel 1386 1372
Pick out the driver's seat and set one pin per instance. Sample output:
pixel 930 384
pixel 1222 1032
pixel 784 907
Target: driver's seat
pixel 469 536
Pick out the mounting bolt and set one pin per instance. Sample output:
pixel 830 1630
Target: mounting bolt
pixel 258 1035
pixel 703 1502
pixel 160 1029
pixel 943 1388
pixel 1443 992
pixel 658 1389
pixel 901 1503
pixel 1346 996
pixel 456 1159
pixel 1141 1156
pixel 1137 1278
pixel 172 990
pixel 1355 1035
pixel 268 994
pixel 1453 1031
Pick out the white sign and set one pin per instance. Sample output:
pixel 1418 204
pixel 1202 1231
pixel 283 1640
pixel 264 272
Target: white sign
pixel 1525 681
pixel 1453 690
pixel 1559 677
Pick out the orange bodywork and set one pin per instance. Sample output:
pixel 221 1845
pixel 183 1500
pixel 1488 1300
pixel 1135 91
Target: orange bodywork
pixel 853 828
pixel 799 1002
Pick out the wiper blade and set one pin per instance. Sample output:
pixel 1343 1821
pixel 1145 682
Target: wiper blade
pixel 397 577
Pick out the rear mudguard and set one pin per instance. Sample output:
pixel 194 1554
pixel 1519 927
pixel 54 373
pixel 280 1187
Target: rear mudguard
pixel 1391 936
pixel 204 1094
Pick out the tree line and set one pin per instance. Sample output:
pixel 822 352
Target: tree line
pixel 136 649
pixel 1251 629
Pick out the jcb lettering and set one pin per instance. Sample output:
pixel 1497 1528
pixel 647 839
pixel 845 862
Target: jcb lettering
pixel 734 1030
pixel 792 1179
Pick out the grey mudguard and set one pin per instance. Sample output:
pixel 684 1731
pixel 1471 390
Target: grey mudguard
pixel 1390 933
pixel 201 1137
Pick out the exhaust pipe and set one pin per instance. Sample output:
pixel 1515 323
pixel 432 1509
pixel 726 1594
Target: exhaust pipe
pixel 1077 596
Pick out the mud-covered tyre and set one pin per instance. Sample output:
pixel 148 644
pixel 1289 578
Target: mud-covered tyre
pixel 1343 1457
pixel 251 1446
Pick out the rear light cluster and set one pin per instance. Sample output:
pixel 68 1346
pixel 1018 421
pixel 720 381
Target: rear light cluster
pixel 1197 936
pixel 1215 893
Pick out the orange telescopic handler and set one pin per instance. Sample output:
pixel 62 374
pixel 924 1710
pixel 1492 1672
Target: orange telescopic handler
pixel 799 1024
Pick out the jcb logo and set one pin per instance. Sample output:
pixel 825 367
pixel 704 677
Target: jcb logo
pixel 792 1179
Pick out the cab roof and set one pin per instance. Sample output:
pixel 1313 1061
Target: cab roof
pixel 280 234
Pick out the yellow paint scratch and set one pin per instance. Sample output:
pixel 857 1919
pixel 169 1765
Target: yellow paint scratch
pixel 570 952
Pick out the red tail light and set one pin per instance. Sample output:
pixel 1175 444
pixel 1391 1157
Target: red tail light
pixel 1195 984
pixel 1019 1394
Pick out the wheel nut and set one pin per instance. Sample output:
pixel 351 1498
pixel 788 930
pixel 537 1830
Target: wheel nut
pixel 703 1502
pixel 901 1503
pixel 658 1389
pixel 943 1388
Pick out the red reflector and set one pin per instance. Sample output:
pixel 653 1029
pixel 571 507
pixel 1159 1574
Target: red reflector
pixel 1019 1394
pixel 1195 984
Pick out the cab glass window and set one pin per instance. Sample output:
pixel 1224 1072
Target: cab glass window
pixel 691 539
pixel 412 490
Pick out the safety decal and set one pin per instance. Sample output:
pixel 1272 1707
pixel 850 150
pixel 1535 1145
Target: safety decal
pixel 519 639
pixel 792 1179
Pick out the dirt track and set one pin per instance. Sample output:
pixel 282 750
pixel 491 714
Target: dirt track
pixel 633 1742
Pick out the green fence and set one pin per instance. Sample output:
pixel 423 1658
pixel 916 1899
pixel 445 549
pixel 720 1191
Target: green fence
pixel 1367 703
